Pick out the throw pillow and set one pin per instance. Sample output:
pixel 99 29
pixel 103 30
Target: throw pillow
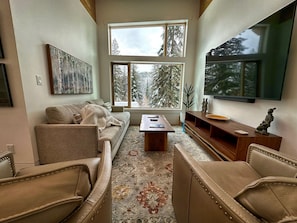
pixel 77 118
pixel 107 105
pixel 51 195
pixel 5 168
pixel 272 199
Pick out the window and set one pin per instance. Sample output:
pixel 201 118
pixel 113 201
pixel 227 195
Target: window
pixel 156 81
pixel 139 85
pixel 148 40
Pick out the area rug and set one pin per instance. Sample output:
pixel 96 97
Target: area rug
pixel 142 180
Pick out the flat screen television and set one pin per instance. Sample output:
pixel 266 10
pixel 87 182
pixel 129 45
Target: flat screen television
pixel 252 64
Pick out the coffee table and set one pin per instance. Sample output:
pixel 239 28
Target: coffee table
pixel 155 128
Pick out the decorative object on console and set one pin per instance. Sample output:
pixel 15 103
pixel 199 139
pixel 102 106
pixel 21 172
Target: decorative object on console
pixel 217 117
pixel 68 75
pixel 262 128
pixel 204 105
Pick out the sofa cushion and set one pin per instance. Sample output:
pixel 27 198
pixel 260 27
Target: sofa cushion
pixel 49 195
pixel 272 199
pixel 122 116
pixel 98 101
pixel 63 114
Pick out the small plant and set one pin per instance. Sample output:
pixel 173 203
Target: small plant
pixel 189 99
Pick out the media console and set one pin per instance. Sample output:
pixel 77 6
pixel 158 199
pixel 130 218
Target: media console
pixel 221 140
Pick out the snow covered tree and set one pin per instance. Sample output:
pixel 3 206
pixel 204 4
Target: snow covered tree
pixel 167 77
pixel 136 91
pixel 120 87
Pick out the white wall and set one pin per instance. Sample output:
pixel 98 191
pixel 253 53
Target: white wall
pixel 14 123
pixel 118 11
pixel 64 24
pixel 225 19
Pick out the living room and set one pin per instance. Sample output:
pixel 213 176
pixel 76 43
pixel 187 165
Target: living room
pixel 27 26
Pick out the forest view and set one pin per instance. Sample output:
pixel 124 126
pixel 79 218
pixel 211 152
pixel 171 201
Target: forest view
pixel 151 85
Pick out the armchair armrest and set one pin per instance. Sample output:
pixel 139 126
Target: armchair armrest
pixel 63 142
pixel 269 162
pixel 7 168
pixel 195 196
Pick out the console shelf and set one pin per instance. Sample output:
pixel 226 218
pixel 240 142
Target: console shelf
pixel 220 138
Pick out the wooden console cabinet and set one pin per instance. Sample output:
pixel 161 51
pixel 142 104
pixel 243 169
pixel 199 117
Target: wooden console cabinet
pixel 221 140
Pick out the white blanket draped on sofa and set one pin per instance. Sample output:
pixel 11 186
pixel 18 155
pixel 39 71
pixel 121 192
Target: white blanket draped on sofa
pixel 96 114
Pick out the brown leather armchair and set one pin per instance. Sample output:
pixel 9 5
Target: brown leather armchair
pixel 76 191
pixel 262 189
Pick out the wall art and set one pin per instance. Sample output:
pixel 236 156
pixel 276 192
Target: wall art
pixel 68 75
pixel 5 96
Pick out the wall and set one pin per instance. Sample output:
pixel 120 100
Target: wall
pixel 212 32
pixel 14 123
pixel 62 23
pixel 118 11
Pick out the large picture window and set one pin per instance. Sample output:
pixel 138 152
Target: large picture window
pixel 156 81
pixel 139 85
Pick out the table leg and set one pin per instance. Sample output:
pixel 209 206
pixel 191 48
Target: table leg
pixel 155 141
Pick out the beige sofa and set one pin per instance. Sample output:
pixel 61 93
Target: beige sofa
pixel 60 139
pixel 74 191
pixel 262 189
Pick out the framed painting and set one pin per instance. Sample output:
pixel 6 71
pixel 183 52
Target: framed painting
pixel 5 96
pixel 68 75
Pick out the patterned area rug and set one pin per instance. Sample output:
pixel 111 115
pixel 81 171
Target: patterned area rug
pixel 142 180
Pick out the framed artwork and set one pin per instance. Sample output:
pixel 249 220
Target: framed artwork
pixel 1 50
pixel 68 75
pixel 5 96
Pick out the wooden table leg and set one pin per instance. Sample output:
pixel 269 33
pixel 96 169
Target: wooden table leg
pixel 155 141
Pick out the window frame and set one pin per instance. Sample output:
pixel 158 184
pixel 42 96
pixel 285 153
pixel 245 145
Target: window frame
pixel 165 24
pixel 132 59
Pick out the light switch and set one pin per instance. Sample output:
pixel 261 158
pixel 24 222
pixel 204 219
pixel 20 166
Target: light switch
pixel 38 80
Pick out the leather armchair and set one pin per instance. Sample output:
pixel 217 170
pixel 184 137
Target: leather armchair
pixel 262 189
pixel 73 191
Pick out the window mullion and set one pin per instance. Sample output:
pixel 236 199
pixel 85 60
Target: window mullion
pixel 129 85
pixel 165 40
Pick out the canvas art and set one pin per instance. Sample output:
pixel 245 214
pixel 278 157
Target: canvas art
pixel 68 74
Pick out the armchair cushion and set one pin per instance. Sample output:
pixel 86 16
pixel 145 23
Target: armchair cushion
pixel 50 195
pixel 271 199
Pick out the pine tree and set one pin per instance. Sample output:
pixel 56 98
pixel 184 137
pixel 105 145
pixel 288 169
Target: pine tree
pixel 166 78
pixel 136 91
pixel 119 77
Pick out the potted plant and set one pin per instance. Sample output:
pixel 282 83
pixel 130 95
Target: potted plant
pixel 188 101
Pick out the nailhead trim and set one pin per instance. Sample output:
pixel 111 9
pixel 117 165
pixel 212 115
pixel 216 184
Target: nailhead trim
pixel 280 158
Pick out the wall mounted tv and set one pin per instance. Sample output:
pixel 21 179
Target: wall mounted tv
pixel 252 64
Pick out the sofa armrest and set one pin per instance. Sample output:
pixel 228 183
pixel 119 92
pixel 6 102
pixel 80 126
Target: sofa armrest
pixel 197 198
pixel 63 142
pixel 269 162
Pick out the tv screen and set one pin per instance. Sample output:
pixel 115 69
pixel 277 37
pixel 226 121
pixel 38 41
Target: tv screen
pixel 252 64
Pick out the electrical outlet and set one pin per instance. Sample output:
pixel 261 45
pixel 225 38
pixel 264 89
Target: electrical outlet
pixel 10 148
